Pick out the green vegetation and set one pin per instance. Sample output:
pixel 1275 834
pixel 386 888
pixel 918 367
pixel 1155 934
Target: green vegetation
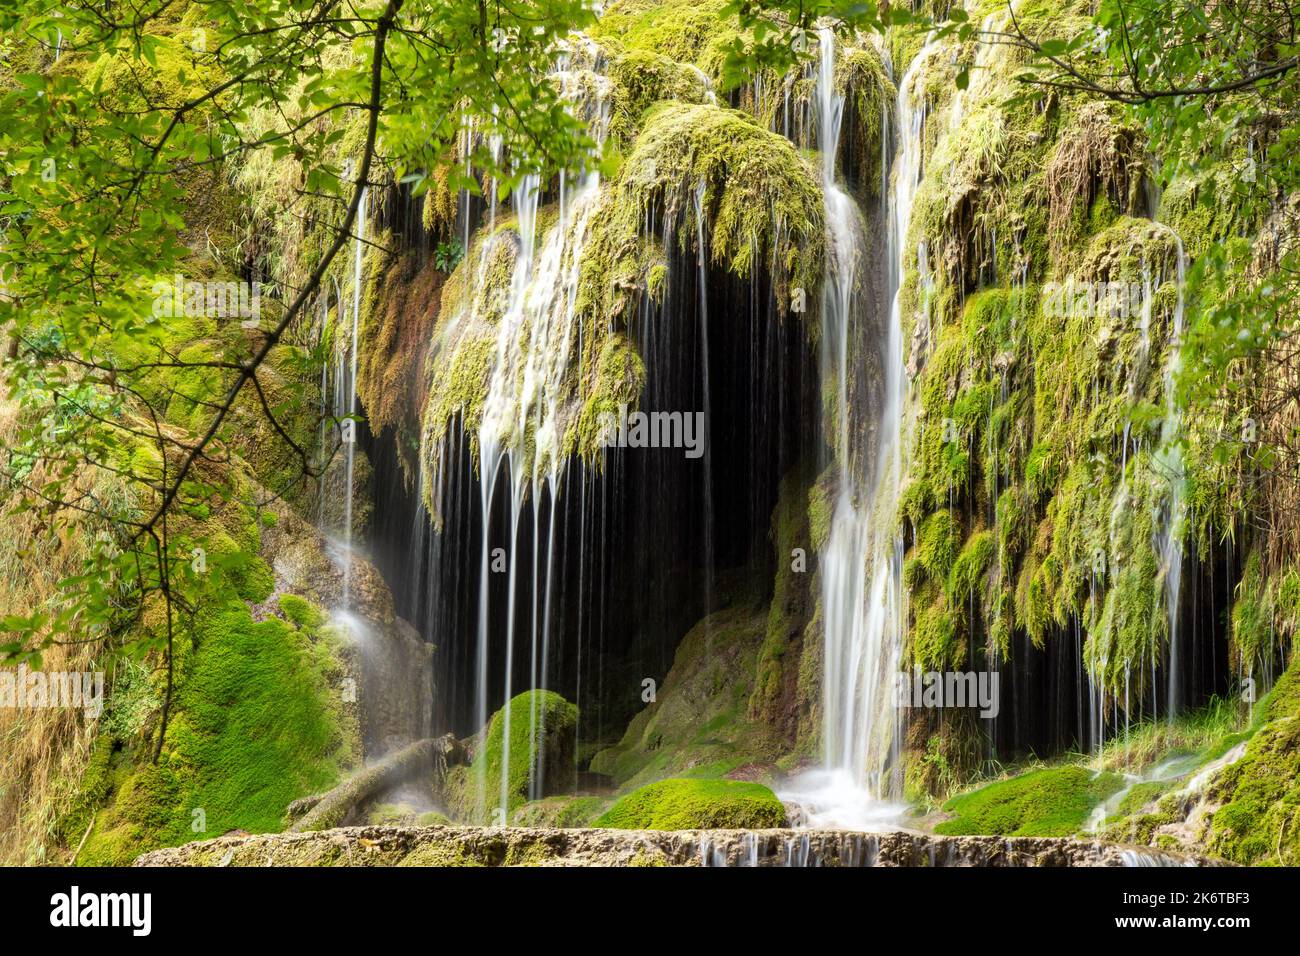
pixel 698 725
pixel 563 811
pixel 641 78
pixel 1198 736
pixel 1260 793
pixel 1054 801
pixel 688 32
pixel 542 733
pixel 259 722
pixel 151 455
pixel 774 700
pixel 695 804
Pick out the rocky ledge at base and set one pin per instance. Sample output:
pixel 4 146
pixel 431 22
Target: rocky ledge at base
pixel 520 846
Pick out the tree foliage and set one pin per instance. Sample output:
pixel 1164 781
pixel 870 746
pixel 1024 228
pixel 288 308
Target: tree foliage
pixel 118 120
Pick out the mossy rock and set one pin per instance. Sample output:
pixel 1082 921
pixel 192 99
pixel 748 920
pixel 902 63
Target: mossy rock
pixel 1055 801
pixel 699 723
pixel 689 32
pixel 540 755
pixel 255 725
pixel 641 78
pixel 301 612
pixel 681 804
pixel 561 812
pixel 760 196
pixel 1260 793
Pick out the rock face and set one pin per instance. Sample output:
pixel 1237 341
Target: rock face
pixel 389 659
pixel 518 846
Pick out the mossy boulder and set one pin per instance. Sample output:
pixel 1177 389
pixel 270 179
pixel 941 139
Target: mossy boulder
pixel 760 197
pixel 688 804
pixel 1055 801
pixel 699 724
pixel 688 32
pixel 529 747
pixel 641 78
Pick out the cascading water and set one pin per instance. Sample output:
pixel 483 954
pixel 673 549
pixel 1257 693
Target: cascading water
pixel 340 406
pixel 349 429
pixel 1169 535
pixel 522 428
pixel 862 560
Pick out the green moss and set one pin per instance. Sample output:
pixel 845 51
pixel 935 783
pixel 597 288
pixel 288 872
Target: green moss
pixel 821 505
pixel 762 212
pixel 1022 408
pixel 460 388
pixel 685 31
pixel 1252 615
pixel 301 612
pixel 1025 410
pixel 699 721
pixel 861 75
pixel 562 812
pixel 250 576
pixel 790 608
pixel 1207 205
pixel 619 380
pixel 255 726
pixel 938 544
pixel 1260 793
pixel 93 790
pixel 1140 795
pixel 1050 802
pixel 641 78
pixel 937 643
pixel 542 731
pixel 132 701
pixel 696 804
pixel 760 198
pixel 972 564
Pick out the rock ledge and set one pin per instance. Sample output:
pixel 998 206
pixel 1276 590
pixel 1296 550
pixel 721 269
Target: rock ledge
pixel 520 846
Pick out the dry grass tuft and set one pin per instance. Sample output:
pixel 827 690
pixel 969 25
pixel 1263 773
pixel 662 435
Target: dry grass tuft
pixel 45 750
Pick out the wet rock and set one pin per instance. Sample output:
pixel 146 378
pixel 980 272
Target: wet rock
pixel 521 846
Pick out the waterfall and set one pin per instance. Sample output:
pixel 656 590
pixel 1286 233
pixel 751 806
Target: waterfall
pixel 525 416
pixel 861 564
pixel 1170 521
pixel 349 428
pixel 854 639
